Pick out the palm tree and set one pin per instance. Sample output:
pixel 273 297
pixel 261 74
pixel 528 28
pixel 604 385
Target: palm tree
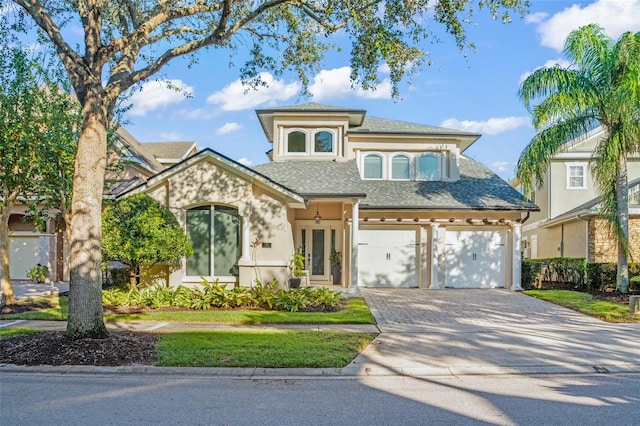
pixel 601 87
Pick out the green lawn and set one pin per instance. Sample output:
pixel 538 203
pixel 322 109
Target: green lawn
pixel 265 349
pixel 9 332
pixel 58 310
pixel 585 303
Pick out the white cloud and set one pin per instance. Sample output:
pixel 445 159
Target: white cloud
pixel 228 128
pixel 502 166
pixel 335 84
pixel 234 98
pixel 615 16
pixel 157 94
pixel 492 126
pixel 245 161
pixel 171 136
pixel 550 63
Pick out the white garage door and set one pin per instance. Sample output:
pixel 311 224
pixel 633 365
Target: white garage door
pixel 25 252
pixel 474 258
pixel 387 258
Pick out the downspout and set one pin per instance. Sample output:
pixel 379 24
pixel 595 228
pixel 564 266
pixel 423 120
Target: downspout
pixel 525 218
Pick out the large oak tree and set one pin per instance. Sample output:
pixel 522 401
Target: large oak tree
pixel 125 42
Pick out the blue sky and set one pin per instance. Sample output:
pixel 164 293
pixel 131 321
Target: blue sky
pixel 478 94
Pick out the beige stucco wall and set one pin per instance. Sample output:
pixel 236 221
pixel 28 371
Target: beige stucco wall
pixel 207 182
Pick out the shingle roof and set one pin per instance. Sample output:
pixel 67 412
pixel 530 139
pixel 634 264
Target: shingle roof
pixel 168 150
pixel 386 125
pixel 315 177
pixel 478 187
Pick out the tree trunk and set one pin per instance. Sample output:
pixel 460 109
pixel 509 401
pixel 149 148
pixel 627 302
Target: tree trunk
pixel 622 206
pixel 7 297
pixel 85 290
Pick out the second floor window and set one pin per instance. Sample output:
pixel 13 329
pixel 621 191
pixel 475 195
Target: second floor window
pixel 634 194
pixel 576 177
pixel 428 167
pixel 310 142
pixel 400 167
pixel 296 142
pixel 373 166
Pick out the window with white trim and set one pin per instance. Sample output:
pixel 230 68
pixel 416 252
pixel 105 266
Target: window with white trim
pixel 576 175
pixel 323 142
pixel 296 142
pixel 401 167
pixel 634 195
pixel 429 166
pixel 372 166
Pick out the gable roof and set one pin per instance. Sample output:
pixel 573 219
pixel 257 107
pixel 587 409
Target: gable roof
pixel 209 154
pixel 170 150
pixel 478 188
pixel 373 124
pixel 133 151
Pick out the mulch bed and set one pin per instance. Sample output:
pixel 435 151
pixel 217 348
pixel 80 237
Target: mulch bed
pixel 55 348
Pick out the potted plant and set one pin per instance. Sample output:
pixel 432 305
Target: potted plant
pixel 335 258
pixel 38 274
pixel 297 268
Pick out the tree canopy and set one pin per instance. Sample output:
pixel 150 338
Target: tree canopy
pixel 138 230
pixel 601 87
pixel 124 43
pixel 38 129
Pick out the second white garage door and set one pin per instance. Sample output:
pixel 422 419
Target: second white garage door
pixel 474 258
pixel 387 258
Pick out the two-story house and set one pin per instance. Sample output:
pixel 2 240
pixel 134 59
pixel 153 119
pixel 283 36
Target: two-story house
pixel 400 201
pixel 568 223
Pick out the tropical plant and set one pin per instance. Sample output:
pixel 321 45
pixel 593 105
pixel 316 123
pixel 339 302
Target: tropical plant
pixel 38 274
pixel 126 43
pixel 600 87
pixel 296 264
pixel 335 258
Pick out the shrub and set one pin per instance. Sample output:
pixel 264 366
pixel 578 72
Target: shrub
pixel 119 278
pixel 531 273
pixel 38 274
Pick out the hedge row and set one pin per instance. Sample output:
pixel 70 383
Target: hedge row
pixel 573 273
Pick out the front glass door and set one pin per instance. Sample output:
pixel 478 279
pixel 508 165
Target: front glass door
pixel 315 242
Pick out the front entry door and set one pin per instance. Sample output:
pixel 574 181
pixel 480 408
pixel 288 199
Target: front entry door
pixel 316 242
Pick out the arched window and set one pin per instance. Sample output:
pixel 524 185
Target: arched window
pixel 373 166
pixel 296 141
pixel 215 236
pixel 323 141
pixel 428 167
pixel 400 167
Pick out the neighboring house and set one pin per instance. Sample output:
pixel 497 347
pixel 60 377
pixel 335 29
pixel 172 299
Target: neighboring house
pixel 399 200
pixel 135 162
pixel 568 223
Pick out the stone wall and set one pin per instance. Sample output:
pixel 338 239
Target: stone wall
pixel 602 246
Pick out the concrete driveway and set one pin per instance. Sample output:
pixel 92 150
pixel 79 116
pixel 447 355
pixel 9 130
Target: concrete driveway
pixel 434 332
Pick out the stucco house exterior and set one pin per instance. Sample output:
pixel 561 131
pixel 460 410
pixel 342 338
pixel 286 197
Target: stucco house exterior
pixel 400 201
pixel 135 163
pixel 568 223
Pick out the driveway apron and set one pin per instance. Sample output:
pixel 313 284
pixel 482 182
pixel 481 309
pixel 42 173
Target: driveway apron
pixel 478 331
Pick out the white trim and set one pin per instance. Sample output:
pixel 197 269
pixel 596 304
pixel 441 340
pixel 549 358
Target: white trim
pixel 382 168
pixel 568 166
pixel 390 165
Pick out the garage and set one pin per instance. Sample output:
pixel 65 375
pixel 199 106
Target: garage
pixel 474 258
pixel 387 258
pixel 26 251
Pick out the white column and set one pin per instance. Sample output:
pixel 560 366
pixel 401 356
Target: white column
pixel 516 258
pixel 434 255
pixel 245 257
pixel 355 217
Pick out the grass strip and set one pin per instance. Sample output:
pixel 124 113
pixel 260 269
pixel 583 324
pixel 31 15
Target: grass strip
pixel 586 303
pixel 10 332
pixel 355 312
pixel 265 349
pixel 54 308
